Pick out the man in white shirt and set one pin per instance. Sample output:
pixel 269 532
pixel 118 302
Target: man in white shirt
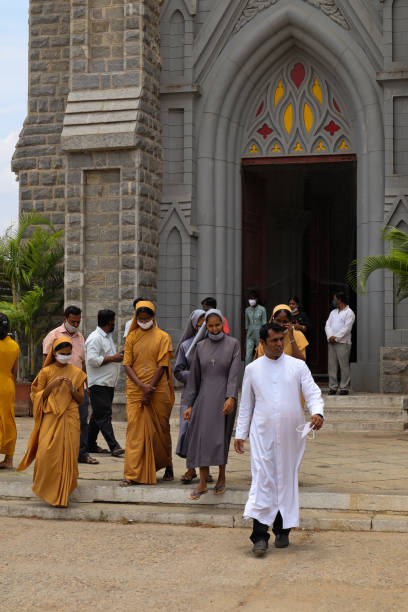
pixel 338 331
pixel 103 373
pixel 271 412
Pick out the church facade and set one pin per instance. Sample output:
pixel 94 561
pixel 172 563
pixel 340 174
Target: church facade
pixel 205 147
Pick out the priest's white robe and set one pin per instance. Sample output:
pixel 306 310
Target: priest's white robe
pixel 271 395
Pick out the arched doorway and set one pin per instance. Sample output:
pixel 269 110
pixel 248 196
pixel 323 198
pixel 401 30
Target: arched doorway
pixel 235 81
pixel 299 196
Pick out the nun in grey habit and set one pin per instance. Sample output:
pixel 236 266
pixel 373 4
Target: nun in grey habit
pixel 181 372
pixel 211 396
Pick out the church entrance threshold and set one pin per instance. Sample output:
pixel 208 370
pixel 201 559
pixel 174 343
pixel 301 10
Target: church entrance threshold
pixel 299 237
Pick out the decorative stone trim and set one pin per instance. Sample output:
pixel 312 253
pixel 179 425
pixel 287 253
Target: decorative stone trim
pixel 101 119
pixel 253 7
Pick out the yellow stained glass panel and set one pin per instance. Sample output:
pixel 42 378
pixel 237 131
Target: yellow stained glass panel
pixel 317 91
pixel 253 149
pixel 288 118
pixel 308 117
pixel 279 93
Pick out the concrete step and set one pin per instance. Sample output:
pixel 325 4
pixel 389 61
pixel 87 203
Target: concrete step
pixel 365 415
pixel 96 491
pixel 355 426
pixel 371 399
pixel 197 516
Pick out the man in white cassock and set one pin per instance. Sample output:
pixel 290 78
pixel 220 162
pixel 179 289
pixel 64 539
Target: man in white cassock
pixel 271 413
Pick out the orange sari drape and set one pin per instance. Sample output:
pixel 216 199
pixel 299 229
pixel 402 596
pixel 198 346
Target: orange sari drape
pixel 9 352
pixel 54 442
pixel 148 440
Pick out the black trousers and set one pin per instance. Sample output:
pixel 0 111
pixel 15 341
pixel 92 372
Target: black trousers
pixel 101 419
pixel 83 419
pixel 260 531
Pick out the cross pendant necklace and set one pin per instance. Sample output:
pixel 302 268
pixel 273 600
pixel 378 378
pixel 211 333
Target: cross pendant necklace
pixel 213 362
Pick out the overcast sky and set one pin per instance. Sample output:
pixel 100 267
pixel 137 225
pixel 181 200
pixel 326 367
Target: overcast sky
pixel 13 98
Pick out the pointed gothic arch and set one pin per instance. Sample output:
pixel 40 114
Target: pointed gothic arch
pixel 237 77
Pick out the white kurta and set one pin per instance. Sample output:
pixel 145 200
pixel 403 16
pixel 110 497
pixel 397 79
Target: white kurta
pixel 271 395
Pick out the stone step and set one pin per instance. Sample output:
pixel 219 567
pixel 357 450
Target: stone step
pixel 355 426
pixel 96 491
pixel 364 415
pixel 373 399
pixel 198 516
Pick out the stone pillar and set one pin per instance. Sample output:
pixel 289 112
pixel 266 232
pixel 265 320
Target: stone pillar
pixel 38 160
pixel 89 154
pixel 112 139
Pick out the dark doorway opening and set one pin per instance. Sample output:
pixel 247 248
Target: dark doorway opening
pixel 299 237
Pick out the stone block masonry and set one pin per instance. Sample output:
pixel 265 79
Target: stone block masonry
pixel 90 148
pixel 394 370
pixel 38 160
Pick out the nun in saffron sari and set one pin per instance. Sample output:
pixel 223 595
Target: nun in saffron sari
pixel 149 399
pixel 54 442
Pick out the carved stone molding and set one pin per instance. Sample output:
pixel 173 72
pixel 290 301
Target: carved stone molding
pixel 253 7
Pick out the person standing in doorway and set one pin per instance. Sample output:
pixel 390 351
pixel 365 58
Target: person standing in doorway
pixel 102 368
pixel 300 320
pixel 255 317
pixel 69 329
pixel 271 414
pixel 210 303
pixel 338 331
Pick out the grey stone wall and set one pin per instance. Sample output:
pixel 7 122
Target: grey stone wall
pixel 90 150
pixel 394 79
pixel 394 370
pixel 38 160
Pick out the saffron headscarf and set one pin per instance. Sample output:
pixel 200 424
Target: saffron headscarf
pixel 203 332
pixel 51 357
pixel 142 304
pixel 278 308
pixel 189 331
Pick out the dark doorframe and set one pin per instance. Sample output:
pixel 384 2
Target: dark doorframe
pixel 321 202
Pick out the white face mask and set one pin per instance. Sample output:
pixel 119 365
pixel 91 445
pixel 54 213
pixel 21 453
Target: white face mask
pixel 64 359
pixel 305 430
pixel 145 324
pixel 294 309
pixel 252 302
pixel 70 328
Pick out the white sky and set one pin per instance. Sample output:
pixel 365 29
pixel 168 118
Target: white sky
pixel 13 98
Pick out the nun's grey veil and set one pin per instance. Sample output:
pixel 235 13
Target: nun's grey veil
pixel 203 332
pixel 189 331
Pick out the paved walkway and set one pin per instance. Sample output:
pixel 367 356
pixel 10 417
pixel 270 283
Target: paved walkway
pixel 338 463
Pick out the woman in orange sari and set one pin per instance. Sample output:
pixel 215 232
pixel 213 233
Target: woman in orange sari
pixel 149 399
pixel 9 352
pixel 294 341
pixel 54 442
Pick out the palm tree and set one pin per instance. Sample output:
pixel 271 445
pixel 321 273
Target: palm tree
pixel 26 316
pixel 32 278
pixel 13 268
pixel 396 261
